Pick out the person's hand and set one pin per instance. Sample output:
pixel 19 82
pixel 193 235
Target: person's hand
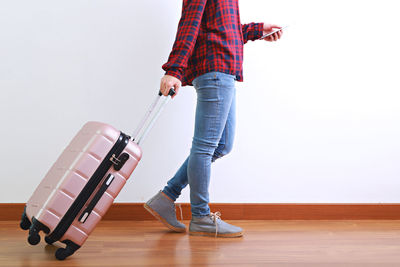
pixel 270 28
pixel 168 82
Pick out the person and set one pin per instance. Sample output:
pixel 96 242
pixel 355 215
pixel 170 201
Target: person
pixel 208 54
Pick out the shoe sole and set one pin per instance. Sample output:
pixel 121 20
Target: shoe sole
pixel 161 219
pixel 239 234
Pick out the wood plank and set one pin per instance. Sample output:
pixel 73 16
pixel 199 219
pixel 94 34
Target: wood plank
pixel 308 243
pixel 249 211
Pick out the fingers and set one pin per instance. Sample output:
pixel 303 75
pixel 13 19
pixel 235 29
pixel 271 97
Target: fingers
pixel 279 34
pixel 274 37
pixel 162 87
pixel 270 28
pixel 176 92
pixel 168 82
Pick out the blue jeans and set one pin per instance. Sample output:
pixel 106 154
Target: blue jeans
pixel 213 138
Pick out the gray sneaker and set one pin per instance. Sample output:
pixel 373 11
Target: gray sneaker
pixel 163 208
pixel 212 225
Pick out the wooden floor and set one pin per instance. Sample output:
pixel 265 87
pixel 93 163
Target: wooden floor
pixel 265 243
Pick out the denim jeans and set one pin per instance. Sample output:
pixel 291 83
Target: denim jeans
pixel 213 138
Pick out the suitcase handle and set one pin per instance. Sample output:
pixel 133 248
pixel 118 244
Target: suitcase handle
pixel 148 120
pixel 170 93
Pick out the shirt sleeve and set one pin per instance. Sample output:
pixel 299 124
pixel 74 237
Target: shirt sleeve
pixel 188 30
pixel 252 31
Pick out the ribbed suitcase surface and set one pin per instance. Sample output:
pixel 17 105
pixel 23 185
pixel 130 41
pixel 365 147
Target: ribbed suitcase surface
pixel 69 175
pixel 82 184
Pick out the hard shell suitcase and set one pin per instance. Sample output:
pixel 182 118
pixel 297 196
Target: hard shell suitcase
pixel 82 184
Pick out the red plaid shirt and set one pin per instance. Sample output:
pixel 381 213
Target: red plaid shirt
pixel 210 37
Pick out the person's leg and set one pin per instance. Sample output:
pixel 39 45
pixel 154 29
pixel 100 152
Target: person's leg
pixel 177 183
pixel 215 92
pixel 212 105
pixel 212 130
pixel 228 135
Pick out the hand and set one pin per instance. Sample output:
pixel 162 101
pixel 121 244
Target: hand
pixel 270 28
pixel 167 82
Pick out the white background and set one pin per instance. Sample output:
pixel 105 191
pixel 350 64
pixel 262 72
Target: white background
pixel 318 116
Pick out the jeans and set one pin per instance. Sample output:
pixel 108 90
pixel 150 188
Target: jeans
pixel 213 138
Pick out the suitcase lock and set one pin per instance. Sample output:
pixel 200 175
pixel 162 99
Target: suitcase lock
pixel 119 162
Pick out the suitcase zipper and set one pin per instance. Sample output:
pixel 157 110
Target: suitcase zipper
pixel 91 185
pixel 96 198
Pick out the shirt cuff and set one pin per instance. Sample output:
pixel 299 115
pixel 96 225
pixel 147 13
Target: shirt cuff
pixel 259 30
pixel 175 72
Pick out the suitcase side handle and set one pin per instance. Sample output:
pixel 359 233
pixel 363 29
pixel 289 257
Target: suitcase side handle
pixel 151 116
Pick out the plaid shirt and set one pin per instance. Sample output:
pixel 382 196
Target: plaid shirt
pixel 210 37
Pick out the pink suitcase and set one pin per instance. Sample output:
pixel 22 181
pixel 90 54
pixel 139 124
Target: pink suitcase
pixel 84 181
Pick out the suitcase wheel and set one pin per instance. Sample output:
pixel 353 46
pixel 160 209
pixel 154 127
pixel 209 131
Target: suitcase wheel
pixel 25 224
pixel 36 227
pixel 61 254
pixel 33 238
pixel 70 249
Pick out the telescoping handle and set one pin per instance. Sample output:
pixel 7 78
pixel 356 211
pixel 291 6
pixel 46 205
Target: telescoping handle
pixel 151 116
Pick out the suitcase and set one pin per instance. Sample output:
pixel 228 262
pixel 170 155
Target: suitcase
pixel 82 184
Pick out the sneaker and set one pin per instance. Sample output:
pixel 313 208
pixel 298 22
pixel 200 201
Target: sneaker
pixel 212 225
pixel 163 208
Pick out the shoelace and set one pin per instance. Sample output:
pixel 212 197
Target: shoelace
pixel 180 208
pixel 215 216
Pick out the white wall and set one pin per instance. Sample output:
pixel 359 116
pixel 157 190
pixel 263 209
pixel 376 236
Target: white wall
pixel 318 114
